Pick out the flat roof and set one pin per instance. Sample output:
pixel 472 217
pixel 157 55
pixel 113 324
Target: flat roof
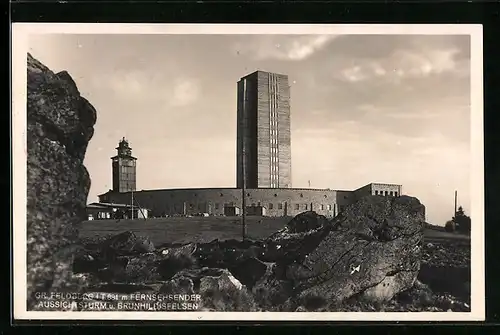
pixel 262 71
pixel 229 188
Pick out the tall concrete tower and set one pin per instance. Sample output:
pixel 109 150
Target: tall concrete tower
pixel 263 132
pixel 124 168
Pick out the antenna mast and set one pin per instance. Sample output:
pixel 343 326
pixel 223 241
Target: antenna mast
pixel 455 212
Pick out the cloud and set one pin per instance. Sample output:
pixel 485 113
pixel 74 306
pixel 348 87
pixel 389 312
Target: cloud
pixel 185 92
pixel 405 63
pixel 288 48
pixel 354 74
pixel 142 86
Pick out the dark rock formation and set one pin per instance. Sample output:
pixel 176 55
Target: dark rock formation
pixel 59 127
pixel 306 221
pixel 126 258
pixel 372 250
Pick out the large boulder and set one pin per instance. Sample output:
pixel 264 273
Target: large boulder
pixel 372 250
pixel 127 243
pixel 59 126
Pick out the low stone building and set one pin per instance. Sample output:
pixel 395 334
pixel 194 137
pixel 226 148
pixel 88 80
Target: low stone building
pixel 276 202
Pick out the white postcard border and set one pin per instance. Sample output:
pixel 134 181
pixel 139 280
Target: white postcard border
pixel 20 34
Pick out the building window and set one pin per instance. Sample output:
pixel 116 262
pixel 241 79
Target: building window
pixel 376 192
pixel 329 207
pixel 275 195
pixel 280 206
pixel 322 207
pixel 191 206
pixel 270 206
pixel 248 194
pixel 395 194
pixel 297 206
pixel 390 193
pixel 217 206
pixel 385 193
pixel 325 195
pixel 305 207
pixel 301 195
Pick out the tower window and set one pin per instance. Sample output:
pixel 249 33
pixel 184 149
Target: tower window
pixel 297 206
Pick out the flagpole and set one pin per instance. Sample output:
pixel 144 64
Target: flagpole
pixel 455 213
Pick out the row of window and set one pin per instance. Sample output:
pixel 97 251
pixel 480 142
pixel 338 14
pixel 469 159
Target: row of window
pixel 387 193
pixel 248 195
pixel 217 206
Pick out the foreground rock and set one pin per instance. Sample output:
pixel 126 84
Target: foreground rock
pixel 371 252
pixel 59 127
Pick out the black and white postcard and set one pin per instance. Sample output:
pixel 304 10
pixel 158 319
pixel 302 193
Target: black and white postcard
pixel 248 172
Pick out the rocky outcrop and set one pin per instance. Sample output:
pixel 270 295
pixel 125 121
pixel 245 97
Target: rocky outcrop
pixel 59 126
pixel 372 250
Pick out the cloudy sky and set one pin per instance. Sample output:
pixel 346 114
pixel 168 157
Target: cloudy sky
pixel 365 108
